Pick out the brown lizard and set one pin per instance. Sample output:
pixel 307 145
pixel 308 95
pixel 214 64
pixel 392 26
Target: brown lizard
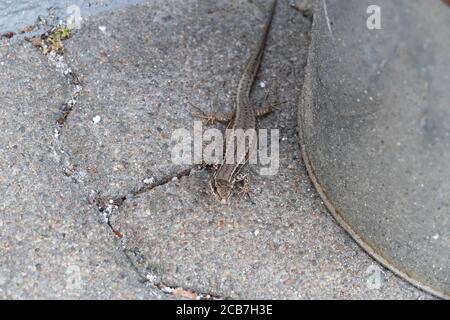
pixel 243 117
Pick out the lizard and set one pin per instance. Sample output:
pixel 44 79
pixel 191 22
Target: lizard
pixel 244 117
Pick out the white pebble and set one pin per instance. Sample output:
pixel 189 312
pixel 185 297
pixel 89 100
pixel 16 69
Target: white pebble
pixel 102 28
pixel 96 119
pixel 149 180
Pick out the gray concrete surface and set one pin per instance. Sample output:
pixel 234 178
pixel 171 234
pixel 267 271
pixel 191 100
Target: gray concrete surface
pixel 16 14
pixel 139 65
pixel 51 242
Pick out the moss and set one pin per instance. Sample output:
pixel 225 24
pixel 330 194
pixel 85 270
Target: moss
pixel 55 39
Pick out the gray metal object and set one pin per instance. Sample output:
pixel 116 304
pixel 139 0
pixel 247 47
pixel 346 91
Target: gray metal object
pixel 374 121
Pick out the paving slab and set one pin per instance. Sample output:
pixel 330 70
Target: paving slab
pixel 51 242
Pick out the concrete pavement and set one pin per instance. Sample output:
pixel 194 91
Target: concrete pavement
pixel 109 161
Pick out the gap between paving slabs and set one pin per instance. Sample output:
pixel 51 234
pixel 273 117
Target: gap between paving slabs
pixel 105 206
pixel 110 207
pixel 50 44
pixel 56 58
pixel 41 236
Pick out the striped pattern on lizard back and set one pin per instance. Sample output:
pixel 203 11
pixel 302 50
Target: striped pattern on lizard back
pixel 244 118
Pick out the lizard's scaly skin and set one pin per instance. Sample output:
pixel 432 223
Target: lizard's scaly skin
pixel 244 118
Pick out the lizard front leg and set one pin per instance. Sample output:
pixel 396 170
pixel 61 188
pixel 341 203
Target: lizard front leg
pixel 212 117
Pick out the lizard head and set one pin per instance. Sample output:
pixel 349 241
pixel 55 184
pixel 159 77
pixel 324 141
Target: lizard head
pixel 222 190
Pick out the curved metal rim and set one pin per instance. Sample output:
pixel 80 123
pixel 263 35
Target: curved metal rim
pixel 368 247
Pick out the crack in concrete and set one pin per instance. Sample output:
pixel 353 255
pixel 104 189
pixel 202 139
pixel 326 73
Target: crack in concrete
pixel 56 59
pixel 149 277
pixel 66 109
pixel 50 43
pixel 107 207
pixel 137 260
pixel 180 292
